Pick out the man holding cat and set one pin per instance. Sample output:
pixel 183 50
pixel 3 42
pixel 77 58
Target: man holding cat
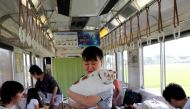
pixel 92 61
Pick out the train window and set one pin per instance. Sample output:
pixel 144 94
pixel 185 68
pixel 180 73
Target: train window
pixel 19 67
pixel 119 65
pixel 110 61
pixel 38 61
pixel 151 62
pixel 27 65
pixel 178 62
pixel 5 66
pixel 125 61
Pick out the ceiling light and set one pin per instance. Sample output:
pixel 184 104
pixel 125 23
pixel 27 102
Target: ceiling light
pixel 121 18
pixel 115 22
pixel 139 4
pixel 89 28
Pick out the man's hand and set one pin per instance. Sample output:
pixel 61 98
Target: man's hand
pixel 53 98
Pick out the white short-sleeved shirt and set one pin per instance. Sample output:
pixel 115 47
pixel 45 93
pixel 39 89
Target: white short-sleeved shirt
pixel 1 107
pixel 32 104
pixel 187 104
pixel 106 99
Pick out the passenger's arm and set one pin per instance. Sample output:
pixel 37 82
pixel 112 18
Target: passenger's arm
pixel 119 89
pixel 54 94
pixel 87 101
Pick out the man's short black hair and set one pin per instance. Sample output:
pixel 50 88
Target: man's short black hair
pixel 92 53
pixel 34 69
pixel 9 90
pixel 174 91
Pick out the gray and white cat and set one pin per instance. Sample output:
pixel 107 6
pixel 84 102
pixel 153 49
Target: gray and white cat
pixel 94 83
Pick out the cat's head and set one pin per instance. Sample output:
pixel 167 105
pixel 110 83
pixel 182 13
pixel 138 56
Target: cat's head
pixel 107 76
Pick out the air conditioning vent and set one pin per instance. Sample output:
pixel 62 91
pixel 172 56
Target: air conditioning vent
pixel 78 23
pixel 127 11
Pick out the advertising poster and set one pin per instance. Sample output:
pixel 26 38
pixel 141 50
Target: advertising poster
pixel 88 39
pixel 66 39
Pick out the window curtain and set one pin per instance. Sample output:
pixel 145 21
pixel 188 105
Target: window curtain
pixel 66 71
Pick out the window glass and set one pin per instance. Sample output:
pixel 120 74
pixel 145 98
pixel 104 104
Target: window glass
pixel 151 62
pixel 6 71
pixel 119 65
pixel 110 61
pixel 19 67
pixel 178 62
pixel 125 59
pixel 26 70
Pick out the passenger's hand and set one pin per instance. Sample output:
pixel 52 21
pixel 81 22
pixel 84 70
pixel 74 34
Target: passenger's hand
pixel 53 98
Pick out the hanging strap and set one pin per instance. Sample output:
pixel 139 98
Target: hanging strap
pixel 161 36
pixel 131 31
pixel 125 34
pixel 175 15
pixel 120 35
pixel 147 22
pixel 148 26
pixel 160 26
pixel 19 11
pixel 27 14
pixel 138 30
pixel 110 40
pixel 115 36
pixel 103 42
pixel 131 35
pixel 107 42
pixel 176 22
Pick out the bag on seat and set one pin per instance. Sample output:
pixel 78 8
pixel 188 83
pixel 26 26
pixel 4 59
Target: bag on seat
pixel 131 97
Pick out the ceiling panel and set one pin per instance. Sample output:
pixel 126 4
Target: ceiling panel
pixel 86 7
pixel 49 4
pixel 83 8
pixel 93 21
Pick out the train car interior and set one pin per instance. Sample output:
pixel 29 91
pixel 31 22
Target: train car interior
pixel 145 41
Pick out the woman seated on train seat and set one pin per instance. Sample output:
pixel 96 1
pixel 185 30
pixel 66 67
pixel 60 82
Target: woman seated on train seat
pixel 117 95
pixel 33 100
pixel 11 93
pixel 92 60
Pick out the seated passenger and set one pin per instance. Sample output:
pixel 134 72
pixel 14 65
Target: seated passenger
pixel 175 95
pixel 33 99
pixel 11 93
pixel 117 96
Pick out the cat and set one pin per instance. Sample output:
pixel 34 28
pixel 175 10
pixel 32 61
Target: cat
pixel 94 83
